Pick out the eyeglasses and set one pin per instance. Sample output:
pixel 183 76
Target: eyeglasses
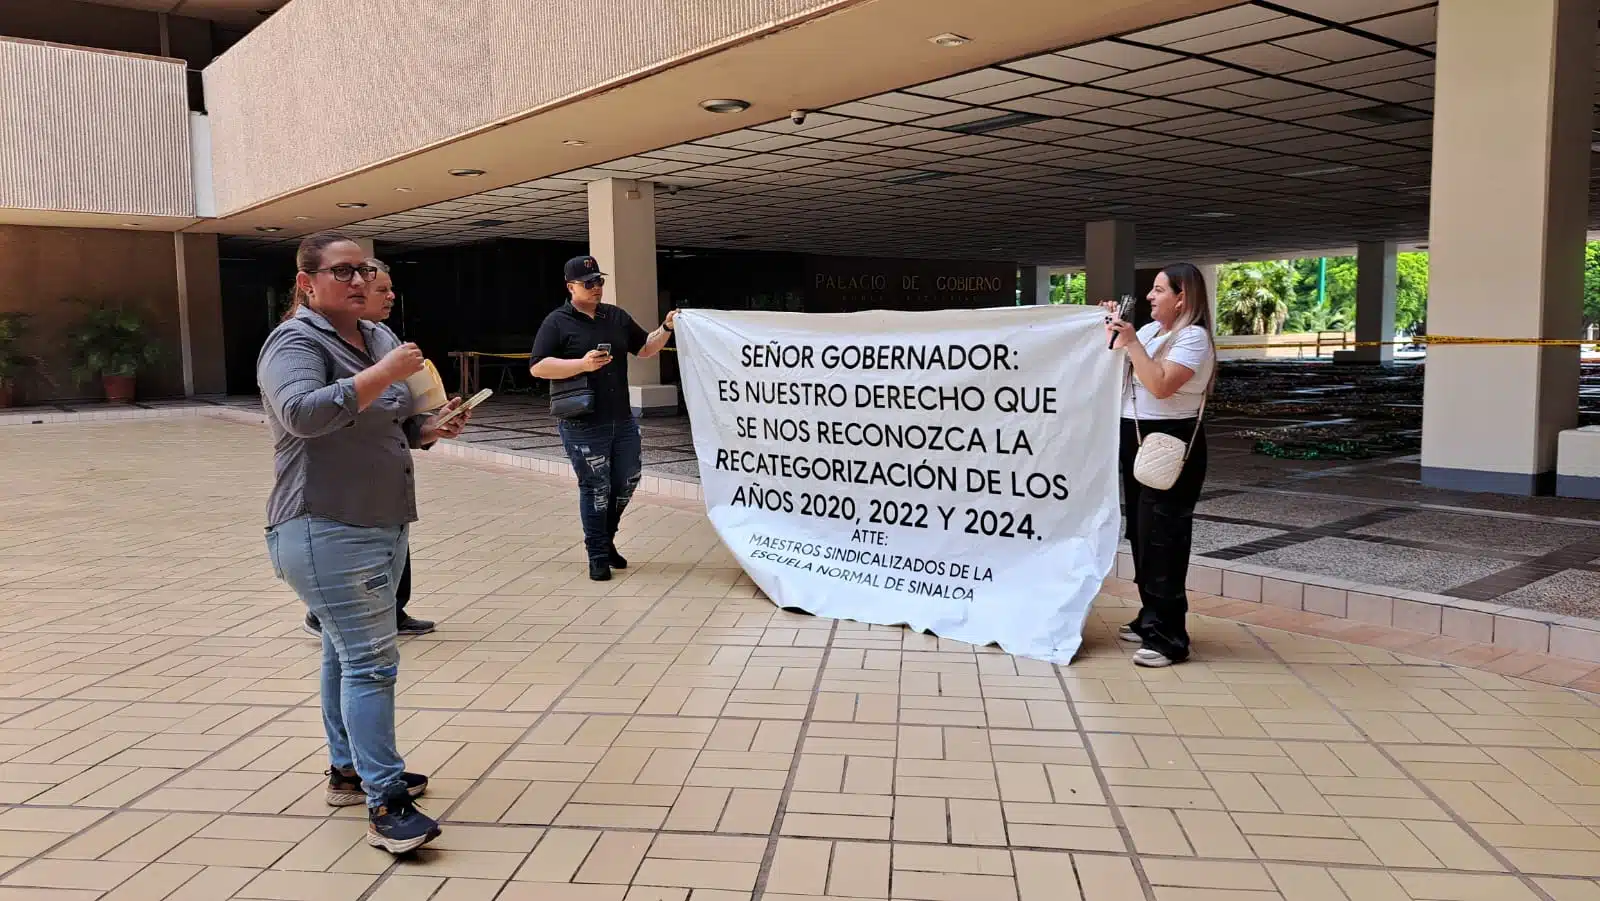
pixel 593 283
pixel 345 272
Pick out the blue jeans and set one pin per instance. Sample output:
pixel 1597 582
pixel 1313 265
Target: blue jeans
pixel 606 458
pixel 346 575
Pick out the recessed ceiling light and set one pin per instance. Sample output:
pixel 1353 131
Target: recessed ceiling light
pixel 949 40
pixel 1325 170
pixel 724 105
pixel 352 205
pixel 133 225
pixel 911 178
pixel 574 142
pixel 466 173
pixel 995 123
pixel 268 228
pixel 303 218
pixel 1387 114
pixel 403 190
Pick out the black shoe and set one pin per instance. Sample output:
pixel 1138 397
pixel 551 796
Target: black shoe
pixel 397 826
pixel 599 570
pixel 410 625
pixel 616 560
pixel 345 788
pixel 311 626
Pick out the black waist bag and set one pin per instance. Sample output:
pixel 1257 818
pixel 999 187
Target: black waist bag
pixel 571 398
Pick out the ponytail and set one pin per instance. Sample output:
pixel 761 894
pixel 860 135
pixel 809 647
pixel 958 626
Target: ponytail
pixel 298 300
pixel 308 257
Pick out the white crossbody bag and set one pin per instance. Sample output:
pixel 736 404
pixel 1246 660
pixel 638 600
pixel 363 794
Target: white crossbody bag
pixel 1161 457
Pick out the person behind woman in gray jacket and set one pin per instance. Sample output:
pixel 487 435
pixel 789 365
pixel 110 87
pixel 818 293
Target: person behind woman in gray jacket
pixel 339 514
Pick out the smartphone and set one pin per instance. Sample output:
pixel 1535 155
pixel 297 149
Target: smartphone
pixel 1125 310
pixel 1127 307
pixel 476 399
pixel 604 348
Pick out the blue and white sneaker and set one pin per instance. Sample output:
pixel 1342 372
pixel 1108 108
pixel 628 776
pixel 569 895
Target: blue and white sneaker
pixel 397 826
pixel 345 788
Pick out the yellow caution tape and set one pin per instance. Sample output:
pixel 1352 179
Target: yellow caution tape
pixel 1441 340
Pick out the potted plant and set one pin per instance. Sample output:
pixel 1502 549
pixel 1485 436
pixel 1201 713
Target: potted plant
pixel 12 360
pixel 112 343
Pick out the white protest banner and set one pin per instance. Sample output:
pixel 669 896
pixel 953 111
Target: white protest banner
pixel 954 471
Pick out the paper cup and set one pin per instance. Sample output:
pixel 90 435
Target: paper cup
pixel 427 389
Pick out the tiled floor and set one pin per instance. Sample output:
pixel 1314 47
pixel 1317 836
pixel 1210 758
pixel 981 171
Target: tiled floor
pixel 670 735
pixel 1371 521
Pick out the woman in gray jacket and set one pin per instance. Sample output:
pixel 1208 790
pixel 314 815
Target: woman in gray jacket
pixel 342 502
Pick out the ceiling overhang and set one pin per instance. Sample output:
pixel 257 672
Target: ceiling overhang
pixel 236 13
pixel 866 48
pixel 68 219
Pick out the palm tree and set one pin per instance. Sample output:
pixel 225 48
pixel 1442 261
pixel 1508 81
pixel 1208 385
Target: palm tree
pixel 1318 319
pixel 1254 298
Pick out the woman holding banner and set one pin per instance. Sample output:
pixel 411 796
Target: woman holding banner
pixel 1172 364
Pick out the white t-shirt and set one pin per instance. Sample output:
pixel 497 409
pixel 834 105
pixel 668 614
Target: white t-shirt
pixel 1191 349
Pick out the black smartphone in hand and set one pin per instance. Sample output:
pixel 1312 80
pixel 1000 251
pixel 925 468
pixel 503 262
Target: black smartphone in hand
pixel 1125 310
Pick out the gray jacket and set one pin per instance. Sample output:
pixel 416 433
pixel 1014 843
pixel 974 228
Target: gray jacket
pixel 331 461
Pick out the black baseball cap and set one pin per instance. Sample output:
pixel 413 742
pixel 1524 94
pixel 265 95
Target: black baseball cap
pixel 580 269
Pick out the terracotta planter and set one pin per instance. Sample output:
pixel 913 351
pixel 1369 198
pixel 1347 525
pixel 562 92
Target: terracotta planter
pixel 119 388
pixel 6 396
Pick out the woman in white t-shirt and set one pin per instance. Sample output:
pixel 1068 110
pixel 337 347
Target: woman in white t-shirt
pixel 1171 365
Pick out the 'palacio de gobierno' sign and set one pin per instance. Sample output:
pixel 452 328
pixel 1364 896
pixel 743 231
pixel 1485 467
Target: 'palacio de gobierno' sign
pixel 954 471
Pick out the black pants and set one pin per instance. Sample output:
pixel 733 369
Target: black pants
pixel 402 593
pixel 1161 528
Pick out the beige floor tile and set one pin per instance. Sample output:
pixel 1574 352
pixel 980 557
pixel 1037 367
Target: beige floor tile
pixel 282 886
pixel 71 874
pixel 227 852
pixel 649 739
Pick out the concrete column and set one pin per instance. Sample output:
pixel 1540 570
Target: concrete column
pixel 1035 285
pixel 199 284
pixel 1208 272
pixel 1511 134
pixel 1375 287
pixel 368 247
pixel 1108 260
pixel 622 236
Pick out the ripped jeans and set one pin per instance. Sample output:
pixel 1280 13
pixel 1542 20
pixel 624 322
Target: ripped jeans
pixel 605 457
pixel 346 575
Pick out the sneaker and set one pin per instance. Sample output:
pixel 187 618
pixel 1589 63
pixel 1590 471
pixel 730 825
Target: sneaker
pixel 311 626
pixel 599 570
pixel 1127 634
pixel 398 826
pixel 1151 658
pixel 345 788
pixel 616 560
pixel 410 625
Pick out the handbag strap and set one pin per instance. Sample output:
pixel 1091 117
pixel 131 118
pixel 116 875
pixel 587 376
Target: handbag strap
pixel 1133 401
